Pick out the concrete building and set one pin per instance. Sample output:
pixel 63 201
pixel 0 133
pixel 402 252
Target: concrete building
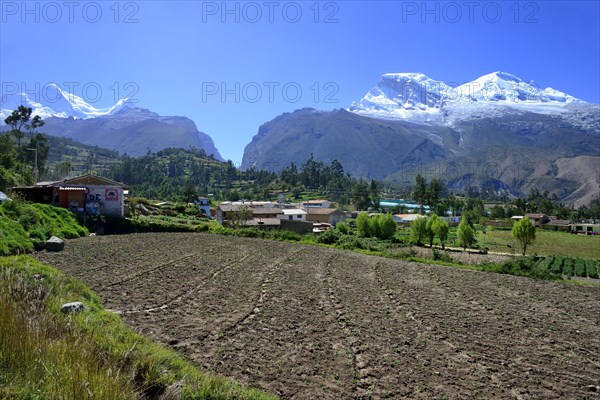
pixel 86 194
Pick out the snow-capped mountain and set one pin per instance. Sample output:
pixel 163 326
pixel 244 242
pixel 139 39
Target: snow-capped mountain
pixel 122 127
pixel 417 98
pixel 53 101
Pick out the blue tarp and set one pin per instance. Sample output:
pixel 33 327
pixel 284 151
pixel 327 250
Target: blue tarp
pixel 3 197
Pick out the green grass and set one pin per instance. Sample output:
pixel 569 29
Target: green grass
pixel 22 222
pixel 47 355
pixel 13 238
pixel 547 243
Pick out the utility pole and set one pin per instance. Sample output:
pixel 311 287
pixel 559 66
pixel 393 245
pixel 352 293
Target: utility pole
pixel 35 165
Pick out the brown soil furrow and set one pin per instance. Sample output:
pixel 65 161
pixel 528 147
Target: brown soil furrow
pixel 257 304
pixel 307 322
pixel 147 271
pixel 186 293
pixel 362 385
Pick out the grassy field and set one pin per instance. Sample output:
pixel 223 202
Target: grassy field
pixel 547 243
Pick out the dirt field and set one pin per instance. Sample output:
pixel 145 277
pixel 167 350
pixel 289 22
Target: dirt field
pixel 314 323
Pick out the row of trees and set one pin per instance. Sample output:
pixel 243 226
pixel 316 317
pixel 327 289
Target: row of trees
pixel 428 228
pixel 381 226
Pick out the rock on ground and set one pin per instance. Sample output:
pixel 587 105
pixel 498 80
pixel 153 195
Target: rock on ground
pixel 55 244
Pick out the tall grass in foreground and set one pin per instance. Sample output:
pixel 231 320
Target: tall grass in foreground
pixel 91 355
pixel 42 354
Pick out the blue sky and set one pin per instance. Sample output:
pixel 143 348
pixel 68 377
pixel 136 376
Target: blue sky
pixel 231 66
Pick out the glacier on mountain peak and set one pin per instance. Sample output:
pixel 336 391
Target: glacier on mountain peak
pixel 52 101
pixel 416 97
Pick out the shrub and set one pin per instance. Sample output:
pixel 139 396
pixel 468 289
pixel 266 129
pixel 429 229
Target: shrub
pixel 351 243
pixel 441 256
pixel 387 226
pixel 524 266
pixel 343 228
pixel 330 236
pixel 285 235
pixel 579 267
pixel 363 225
pixel 568 267
pixel 592 268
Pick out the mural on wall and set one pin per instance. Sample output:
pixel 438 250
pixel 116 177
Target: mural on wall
pixel 92 203
pixel 111 194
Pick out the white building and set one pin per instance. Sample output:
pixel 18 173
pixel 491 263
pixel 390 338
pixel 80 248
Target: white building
pixel 293 214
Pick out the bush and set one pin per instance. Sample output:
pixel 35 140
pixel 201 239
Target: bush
pixel 285 235
pixel 579 267
pixel 441 256
pixel 330 236
pixel 592 268
pixel 525 266
pixel 557 265
pixel 568 267
pixel 343 228
pixel 351 243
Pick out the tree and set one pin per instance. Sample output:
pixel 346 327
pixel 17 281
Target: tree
pixel 387 226
pixel 13 158
pixel 360 195
pixel 429 229
pixel 434 192
pixel 465 233
pixel 419 193
pixel 441 229
pixel 498 212
pixel 524 232
pixel 379 226
pixel 418 230
pixel 363 224
pixel 374 195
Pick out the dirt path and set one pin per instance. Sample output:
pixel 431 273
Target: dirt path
pixel 314 323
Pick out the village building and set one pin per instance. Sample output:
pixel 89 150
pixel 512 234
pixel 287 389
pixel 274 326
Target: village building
pixel 87 194
pixel 203 205
pixel 538 219
pixel 325 215
pixel 322 203
pixel 244 215
pixel 558 225
pixel 405 219
pixel 293 214
pixel 585 228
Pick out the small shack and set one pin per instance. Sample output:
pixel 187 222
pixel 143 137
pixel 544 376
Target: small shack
pixel 86 194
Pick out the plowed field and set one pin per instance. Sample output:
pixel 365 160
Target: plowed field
pixel 306 322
